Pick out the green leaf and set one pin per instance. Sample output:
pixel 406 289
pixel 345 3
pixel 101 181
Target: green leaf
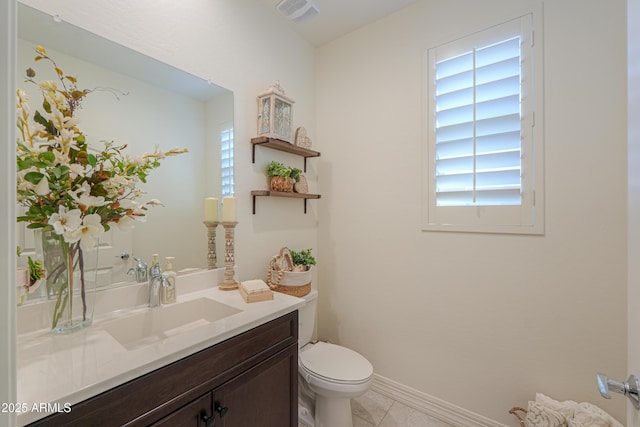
pixel 98 190
pixel 46 106
pixel 24 164
pixel 35 225
pixel 38 118
pixel 39 164
pixel 48 156
pixel 34 177
pixel 91 158
pixel 59 172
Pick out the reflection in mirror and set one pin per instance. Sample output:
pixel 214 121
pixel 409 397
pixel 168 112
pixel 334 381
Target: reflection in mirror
pixel 161 106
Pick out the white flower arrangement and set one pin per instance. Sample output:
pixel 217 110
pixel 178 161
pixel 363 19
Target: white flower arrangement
pixel 71 192
pixel 65 186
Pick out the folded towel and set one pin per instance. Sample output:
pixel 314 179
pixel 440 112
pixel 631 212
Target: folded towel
pixel 547 412
pixel 589 415
pixel 255 286
pixel 539 415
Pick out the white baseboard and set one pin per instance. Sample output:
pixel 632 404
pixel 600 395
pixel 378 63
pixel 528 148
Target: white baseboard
pixel 432 406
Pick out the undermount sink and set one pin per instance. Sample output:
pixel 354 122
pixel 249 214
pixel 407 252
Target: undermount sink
pixel 157 324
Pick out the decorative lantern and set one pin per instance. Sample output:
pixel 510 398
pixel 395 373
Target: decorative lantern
pixel 275 114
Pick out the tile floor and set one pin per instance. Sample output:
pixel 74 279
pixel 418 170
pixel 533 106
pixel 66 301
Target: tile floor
pixel 375 410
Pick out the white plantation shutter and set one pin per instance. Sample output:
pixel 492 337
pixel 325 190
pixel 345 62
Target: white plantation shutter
pixel 480 138
pixel 226 161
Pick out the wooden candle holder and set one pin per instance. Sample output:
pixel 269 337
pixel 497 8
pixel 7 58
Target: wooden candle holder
pixel 229 256
pixel 212 257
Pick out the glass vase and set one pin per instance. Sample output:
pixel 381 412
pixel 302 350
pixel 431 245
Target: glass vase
pixel 71 276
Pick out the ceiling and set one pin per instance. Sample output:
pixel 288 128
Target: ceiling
pixel 339 17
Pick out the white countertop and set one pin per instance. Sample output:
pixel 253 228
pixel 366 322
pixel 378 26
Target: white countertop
pixel 67 369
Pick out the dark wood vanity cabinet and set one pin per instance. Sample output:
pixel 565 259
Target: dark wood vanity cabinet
pixel 247 380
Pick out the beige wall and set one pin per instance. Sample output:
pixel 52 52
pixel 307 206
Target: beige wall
pixel 242 46
pixel 438 312
pixel 479 320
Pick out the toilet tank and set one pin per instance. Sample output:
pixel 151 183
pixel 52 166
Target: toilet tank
pixel 307 318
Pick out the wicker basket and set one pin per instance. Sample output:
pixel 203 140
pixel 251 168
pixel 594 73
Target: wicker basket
pixel 291 278
pixel 293 283
pixel 281 279
pixel 520 414
pixel 296 291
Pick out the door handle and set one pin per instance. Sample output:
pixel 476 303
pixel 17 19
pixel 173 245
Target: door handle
pixel 629 388
pixel 222 410
pixel 209 421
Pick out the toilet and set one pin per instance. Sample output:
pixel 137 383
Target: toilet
pixel 334 374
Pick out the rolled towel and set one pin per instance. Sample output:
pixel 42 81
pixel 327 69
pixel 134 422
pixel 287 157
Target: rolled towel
pixel 588 415
pixel 547 412
pixel 566 408
pixel 539 415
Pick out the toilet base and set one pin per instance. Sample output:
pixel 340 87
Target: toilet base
pixel 333 412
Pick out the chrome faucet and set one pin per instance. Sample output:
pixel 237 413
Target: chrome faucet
pixel 140 270
pixel 156 280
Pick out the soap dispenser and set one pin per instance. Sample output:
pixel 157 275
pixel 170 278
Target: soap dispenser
pixel 154 268
pixel 168 291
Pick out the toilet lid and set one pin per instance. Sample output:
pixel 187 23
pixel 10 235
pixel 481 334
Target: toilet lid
pixel 336 363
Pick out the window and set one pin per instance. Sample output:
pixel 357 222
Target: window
pixel 226 161
pixel 484 148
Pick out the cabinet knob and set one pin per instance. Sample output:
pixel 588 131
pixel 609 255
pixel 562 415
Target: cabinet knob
pixel 222 410
pixel 209 421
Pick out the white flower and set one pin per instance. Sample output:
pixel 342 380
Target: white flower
pixel 42 188
pixel 37 129
pixel 55 100
pixel 63 221
pixel 65 139
pixel 60 121
pixel 87 233
pixel 76 169
pixel 128 204
pixel 136 161
pixel 48 86
pixel 86 201
pixel 125 223
pixel 116 183
pixel 61 158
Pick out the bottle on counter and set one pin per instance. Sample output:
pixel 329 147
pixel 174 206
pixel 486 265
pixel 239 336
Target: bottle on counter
pixel 154 268
pixel 168 291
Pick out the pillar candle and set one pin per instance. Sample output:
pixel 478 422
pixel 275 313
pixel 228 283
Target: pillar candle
pixel 210 209
pixel 229 209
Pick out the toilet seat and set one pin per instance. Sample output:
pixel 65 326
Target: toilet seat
pixel 336 364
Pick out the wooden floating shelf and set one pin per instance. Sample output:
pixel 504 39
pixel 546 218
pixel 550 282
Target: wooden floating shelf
pixel 268 193
pixel 280 145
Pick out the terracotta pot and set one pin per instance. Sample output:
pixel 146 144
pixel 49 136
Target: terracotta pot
pixel 279 183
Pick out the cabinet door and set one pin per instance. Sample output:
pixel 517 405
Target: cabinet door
pixel 195 414
pixel 265 395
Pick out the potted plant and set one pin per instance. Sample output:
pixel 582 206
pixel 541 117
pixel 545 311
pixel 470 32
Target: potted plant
pixel 36 273
pixel 303 260
pixel 28 279
pixel 291 274
pixel 282 177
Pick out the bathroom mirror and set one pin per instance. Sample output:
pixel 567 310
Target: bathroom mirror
pixel 146 103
